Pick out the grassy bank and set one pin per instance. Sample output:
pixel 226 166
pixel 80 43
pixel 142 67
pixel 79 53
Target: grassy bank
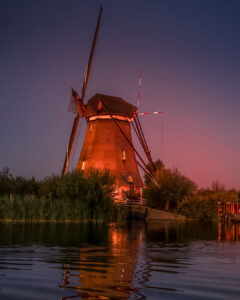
pixel 78 197
pixel 73 197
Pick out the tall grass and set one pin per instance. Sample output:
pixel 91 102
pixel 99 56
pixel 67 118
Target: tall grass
pixel 72 197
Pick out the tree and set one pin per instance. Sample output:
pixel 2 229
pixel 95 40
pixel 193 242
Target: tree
pixel 174 187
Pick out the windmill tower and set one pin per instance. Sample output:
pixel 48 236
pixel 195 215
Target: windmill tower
pixel 105 145
pixel 108 140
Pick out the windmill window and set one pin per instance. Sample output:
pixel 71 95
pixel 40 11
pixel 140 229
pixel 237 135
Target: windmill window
pixel 129 178
pixel 91 127
pixel 83 165
pixel 124 155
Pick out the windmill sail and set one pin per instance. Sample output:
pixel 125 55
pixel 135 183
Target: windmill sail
pixel 90 60
pixel 76 103
pixel 70 144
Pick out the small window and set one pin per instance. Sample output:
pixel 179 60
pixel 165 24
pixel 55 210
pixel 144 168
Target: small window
pixel 83 165
pixel 91 127
pixel 124 155
pixel 129 178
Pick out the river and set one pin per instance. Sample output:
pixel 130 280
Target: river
pixel 141 261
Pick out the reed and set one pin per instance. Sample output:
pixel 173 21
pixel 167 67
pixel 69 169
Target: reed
pixel 72 197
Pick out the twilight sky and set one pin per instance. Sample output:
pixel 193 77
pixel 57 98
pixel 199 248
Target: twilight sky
pixel 188 51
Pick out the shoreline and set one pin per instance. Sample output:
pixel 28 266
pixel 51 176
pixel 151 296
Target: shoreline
pixel 35 221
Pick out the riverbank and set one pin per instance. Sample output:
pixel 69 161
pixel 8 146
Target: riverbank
pixel 123 215
pixel 72 198
pixel 83 197
pixel 138 212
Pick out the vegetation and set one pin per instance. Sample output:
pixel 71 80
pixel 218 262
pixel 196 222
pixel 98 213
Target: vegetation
pixel 203 205
pixel 72 197
pixel 84 197
pixel 174 187
pixel 179 194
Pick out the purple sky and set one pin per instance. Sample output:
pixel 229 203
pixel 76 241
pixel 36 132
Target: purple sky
pixel 188 51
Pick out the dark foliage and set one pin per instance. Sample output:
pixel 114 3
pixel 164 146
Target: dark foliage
pixel 173 188
pixel 203 205
pixel 178 193
pixel 73 197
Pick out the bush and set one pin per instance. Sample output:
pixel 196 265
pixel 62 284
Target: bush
pixel 203 205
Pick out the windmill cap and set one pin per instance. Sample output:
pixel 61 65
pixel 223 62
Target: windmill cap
pixel 114 105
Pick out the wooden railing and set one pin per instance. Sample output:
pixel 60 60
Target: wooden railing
pixel 132 201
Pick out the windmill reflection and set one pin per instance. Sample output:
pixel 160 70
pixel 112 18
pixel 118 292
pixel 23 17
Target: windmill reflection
pixel 122 265
pixel 106 272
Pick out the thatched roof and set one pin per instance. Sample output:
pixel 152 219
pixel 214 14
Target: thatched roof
pixel 116 106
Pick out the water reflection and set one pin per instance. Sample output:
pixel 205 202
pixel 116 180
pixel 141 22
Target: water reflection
pixel 228 232
pixel 53 234
pixel 182 232
pixel 107 273
pixel 141 261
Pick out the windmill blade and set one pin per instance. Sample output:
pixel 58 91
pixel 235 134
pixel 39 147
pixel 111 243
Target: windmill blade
pixel 72 107
pixel 70 144
pixel 74 147
pixel 88 69
pixel 76 104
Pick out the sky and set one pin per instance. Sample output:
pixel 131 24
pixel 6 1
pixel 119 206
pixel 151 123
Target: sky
pixel 188 51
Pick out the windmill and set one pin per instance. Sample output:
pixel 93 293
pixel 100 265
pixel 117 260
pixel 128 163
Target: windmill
pixel 108 140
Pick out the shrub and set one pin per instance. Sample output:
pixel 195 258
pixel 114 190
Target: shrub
pixel 203 205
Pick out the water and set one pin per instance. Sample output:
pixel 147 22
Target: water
pixel 153 261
